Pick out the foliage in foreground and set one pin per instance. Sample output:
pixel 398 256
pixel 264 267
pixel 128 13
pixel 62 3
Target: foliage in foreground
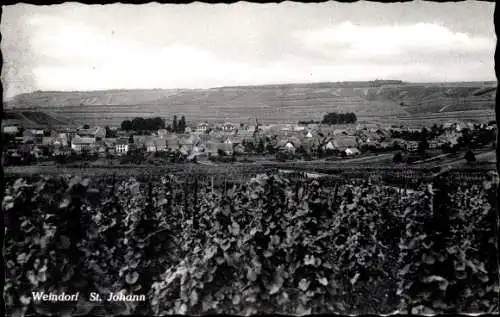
pixel 265 246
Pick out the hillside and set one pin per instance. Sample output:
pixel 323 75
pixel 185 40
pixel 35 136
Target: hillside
pixel 371 101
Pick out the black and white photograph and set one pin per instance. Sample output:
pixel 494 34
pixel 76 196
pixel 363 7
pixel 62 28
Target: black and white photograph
pixel 248 159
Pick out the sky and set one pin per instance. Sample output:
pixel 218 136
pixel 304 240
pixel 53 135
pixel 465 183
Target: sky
pixel 73 46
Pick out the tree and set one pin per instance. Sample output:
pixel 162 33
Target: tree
pixel 126 125
pixel 261 147
pixel 175 126
pixel 398 158
pixel 86 126
pixel 470 157
pixel 182 125
pixel 249 146
pixel 422 146
pixel 109 133
pixel 336 118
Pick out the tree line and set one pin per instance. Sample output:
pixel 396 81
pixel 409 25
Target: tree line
pixel 339 118
pixel 333 118
pixel 153 124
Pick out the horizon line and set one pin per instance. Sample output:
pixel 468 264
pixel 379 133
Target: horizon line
pixel 259 85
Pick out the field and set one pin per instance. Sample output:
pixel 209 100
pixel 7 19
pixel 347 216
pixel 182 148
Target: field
pixel 391 104
pixel 37 118
pixel 267 245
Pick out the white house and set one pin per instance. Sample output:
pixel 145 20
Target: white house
pixel 329 146
pixel 202 127
pixel 352 151
pixel 10 130
pixel 289 147
pixel 122 146
pixel 81 144
pixel 228 127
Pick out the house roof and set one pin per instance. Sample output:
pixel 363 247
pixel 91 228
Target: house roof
pixel 345 141
pixel 227 147
pixel 352 150
pixel 122 141
pixel 109 141
pixel 235 139
pixel 159 142
pixel 83 140
pixel 245 133
pixel 48 140
pixel 141 139
pixel 89 131
pixel 172 138
pixel 186 140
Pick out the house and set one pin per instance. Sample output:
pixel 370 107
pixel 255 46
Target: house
pixel 47 140
pixel 289 147
pixel 239 149
pixel 343 142
pixel 202 127
pixel 234 140
pixel 150 145
pixel 122 146
pixel 433 144
pixel 172 142
pixel 204 138
pixel 329 146
pixel 228 127
pixel 162 133
pixel 160 144
pixel 411 146
pixel 212 148
pixel 83 144
pixel 61 140
pixel 384 145
pixel 351 151
pixel 226 148
pixel 140 140
pixel 61 152
pixel 245 133
pixel 96 132
pixel 13 130
pixel 101 149
pixel 187 142
pixel 28 134
pixel 110 144
pixel 38 133
pixel 309 135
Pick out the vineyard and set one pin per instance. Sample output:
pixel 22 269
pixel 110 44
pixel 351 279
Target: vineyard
pixel 269 244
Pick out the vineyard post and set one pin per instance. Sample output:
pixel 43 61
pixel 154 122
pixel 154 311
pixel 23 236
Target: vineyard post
pixel 185 200
pixel 225 184
pixel 195 207
pixel 150 195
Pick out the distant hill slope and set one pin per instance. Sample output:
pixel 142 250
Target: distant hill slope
pixel 270 103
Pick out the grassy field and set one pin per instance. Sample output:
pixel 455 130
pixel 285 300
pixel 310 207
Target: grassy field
pixel 405 103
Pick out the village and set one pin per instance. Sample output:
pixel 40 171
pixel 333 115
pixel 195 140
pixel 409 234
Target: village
pixel 206 143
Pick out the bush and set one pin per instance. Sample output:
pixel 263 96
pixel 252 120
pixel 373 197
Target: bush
pixel 398 158
pixel 470 157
